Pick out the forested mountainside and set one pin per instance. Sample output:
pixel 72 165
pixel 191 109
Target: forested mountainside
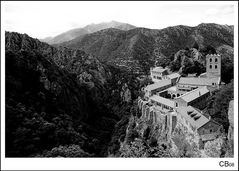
pixel 62 102
pixel 137 49
pixel 71 34
pixel 76 99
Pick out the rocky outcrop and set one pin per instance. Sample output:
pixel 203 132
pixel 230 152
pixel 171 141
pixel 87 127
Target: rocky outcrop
pixel 188 61
pixel 125 93
pixel 185 141
pixel 214 148
pixel 230 135
pixel 74 61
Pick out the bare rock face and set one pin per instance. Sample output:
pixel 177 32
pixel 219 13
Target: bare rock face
pixel 230 136
pixel 185 141
pixel 125 93
pixel 214 148
pixel 231 120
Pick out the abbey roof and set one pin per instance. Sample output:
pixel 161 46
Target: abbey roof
pixel 158 85
pixel 194 94
pixel 159 69
pixel 193 116
pixel 162 100
pixel 198 81
pixel 173 75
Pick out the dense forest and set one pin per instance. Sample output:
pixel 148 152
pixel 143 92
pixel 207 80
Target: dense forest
pixel 59 101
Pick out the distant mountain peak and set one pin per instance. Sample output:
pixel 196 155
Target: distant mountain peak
pixel 111 24
pixel 91 28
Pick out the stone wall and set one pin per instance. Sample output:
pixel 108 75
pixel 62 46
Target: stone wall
pixel 167 120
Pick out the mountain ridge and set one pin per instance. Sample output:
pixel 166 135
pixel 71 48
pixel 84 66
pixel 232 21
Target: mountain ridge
pixel 73 33
pixel 143 45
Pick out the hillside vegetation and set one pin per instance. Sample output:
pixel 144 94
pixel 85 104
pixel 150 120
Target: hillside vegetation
pixel 138 49
pixel 58 97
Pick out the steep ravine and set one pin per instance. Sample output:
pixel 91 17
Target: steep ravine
pixel 59 100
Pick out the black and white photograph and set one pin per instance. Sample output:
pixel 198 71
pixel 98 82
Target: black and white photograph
pixel 119 84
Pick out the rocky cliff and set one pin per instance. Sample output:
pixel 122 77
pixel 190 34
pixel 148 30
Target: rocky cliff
pixel 230 135
pixel 231 121
pixel 146 139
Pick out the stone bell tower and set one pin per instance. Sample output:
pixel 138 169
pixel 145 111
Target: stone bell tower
pixel 213 63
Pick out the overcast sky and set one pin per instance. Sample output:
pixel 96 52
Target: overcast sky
pixel 43 19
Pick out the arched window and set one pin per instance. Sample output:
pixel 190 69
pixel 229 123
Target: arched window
pixel 215 66
pixel 210 59
pixel 215 59
pixel 210 66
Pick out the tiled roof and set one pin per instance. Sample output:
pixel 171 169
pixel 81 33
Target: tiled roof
pixel 193 116
pixel 159 69
pixel 162 100
pixel 207 137
pixel 198 81
pixel 194 94
pixel 157 85
pixel 173 75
